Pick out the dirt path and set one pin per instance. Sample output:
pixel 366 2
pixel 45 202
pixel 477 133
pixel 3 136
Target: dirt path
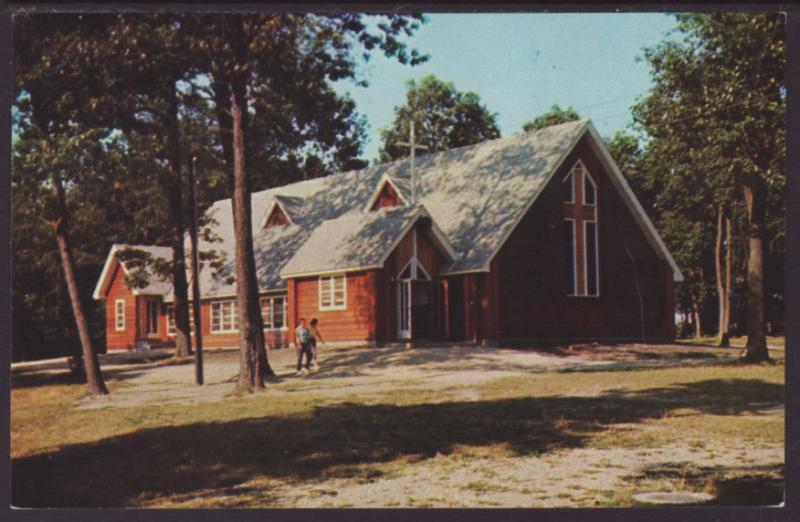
pixel 373 370
pixel 594 473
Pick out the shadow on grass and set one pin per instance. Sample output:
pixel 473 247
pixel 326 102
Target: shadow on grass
pixel 334 440
pixel 34 379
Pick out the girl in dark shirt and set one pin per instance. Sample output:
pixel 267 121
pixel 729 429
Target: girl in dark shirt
pixel 313 335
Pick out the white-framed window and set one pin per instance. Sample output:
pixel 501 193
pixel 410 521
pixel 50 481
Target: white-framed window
pixel 569 188
pixel 119 315
pixel 171 329
pixel 151 317
pixel 333 292
pixel 589 189
pixel 571 274
pixel 273 312
pixel 592 268
pixel 580 236
pixel 224 316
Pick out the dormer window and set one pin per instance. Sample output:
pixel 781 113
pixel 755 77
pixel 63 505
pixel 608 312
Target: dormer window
pixel 387 198
pixel 276 218
pixel 284 210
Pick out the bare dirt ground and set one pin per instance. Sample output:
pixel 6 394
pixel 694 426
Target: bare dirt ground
pixel 371 370
pixel 614 456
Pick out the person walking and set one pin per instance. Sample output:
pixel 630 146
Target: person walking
pixel 314 335
pixel 301 342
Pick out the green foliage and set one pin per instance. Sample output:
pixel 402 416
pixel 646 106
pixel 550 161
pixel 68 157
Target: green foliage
pixel 714 121
pixel 102 85
pixel 554 116
pixel 444 118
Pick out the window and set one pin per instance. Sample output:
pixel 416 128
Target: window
pixel 151 317
pixel 589 190
pixel 276 217
pixel 273 312
pixel 580 236
pixel 333 292
pixel 591 258
pixel 414 270
pixel 171 329
pixel 569 255
pixel 387 198
pixel 224 317
pixel 569 188
pixel 119 315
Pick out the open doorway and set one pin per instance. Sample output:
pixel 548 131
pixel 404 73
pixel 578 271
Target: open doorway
pixel 414 302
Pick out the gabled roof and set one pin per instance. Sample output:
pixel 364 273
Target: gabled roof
pixel 156 286
pixel 292 208
pixel 401 185
pixel 476 195
pixel 358 241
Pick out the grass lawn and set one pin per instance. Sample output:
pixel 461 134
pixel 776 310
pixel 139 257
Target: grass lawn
pixel 413 428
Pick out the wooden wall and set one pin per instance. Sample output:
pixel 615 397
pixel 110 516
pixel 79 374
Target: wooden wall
pixel 135 308
pixel 431 260
pixel 355 323
pixel 124 340
pixel 532 280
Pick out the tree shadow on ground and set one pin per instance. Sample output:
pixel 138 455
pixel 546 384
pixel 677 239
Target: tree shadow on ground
pixel 33 379
pixel 338 440
pixel 357 363
pixel 744 485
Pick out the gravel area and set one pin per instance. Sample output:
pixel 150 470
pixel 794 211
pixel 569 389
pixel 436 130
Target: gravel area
pixel 353 370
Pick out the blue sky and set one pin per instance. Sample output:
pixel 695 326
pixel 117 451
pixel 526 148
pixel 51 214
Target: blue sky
pixel 521 64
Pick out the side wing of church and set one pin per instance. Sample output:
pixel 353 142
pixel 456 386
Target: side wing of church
pixel 521 239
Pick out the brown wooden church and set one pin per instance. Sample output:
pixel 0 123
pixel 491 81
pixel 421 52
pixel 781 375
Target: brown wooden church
pixel 521 239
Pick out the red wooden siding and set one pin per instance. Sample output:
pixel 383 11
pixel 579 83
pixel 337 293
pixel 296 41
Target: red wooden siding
pixel 124 340
pixel 387 198
pixel 355 323
pixel 273 338
pixel 135 310
pixel 532 284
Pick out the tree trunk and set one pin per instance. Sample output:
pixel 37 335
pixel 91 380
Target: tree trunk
pixel 173 186
pixel 253 364
pixel 719 276
pixel 754 198
pixel 698 330
pixel 91 365
pixel 726 320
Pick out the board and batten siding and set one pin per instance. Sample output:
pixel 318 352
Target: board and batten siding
pixel 635 285
pixel 431 260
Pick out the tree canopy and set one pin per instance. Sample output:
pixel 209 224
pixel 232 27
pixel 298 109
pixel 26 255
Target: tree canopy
pixel 554 116
pixel 715 124
pixel 444 118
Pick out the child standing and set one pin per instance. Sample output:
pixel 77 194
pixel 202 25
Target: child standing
pixel 303 347
pixel 313 335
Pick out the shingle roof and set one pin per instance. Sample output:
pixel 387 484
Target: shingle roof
pixel 356 240
pixel 476 195
pixel 156 285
